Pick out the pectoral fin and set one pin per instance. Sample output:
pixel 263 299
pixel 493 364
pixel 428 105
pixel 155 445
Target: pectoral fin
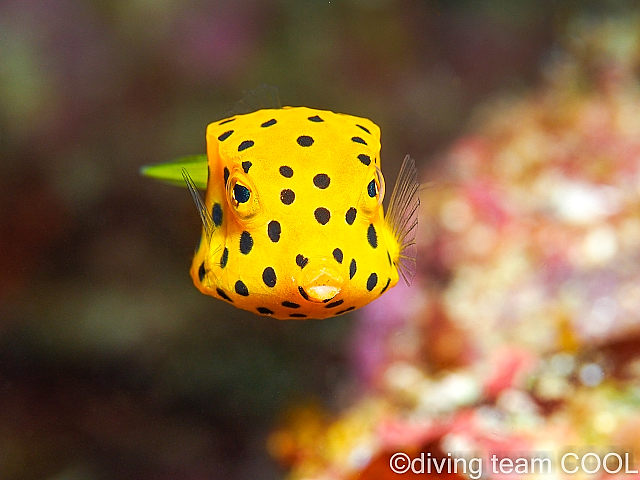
pixel 402 217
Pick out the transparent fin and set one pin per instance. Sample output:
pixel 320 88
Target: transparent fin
pixel 171 172
pixel 205 216
pixel 265 96
pixel 402 217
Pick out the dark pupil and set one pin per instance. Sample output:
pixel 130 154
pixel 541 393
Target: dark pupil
pixel 241 193
pixel 371 188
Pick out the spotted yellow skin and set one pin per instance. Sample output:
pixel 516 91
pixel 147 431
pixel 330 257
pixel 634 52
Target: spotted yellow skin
pixel 303 269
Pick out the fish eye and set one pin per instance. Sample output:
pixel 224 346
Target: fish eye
pixel 241 194
pixel 372 188
pixel 372 197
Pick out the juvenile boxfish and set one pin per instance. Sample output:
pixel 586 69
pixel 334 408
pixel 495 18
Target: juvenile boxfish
pixel 293 223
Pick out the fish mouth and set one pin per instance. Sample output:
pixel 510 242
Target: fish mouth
pixel 319 282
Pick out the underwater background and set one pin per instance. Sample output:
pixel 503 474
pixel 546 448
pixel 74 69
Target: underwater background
pixel 521 330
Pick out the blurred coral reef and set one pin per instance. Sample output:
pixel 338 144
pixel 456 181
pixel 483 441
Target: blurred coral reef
pixel 521 333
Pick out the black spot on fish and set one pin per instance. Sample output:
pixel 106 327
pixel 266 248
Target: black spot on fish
pixel 372 236
pixel 290 304
pixel 298 315
pixel 223 294
pixel 385 287
pixel 352 268
pixel 316 119
pixel 264 310
pixel 286 172
pixel 363 128
pixel 269 277
pixel 201 272
pixel 350 217
pixel 321 180
pixel 224 258
pixel 366 159
pixel 241 288
pixel 303 293
pixel 246 166
pixel 225 135
pixel 372 281
pixel 305 141
pixel 226 121
pixel 246 243
pixel 268 123
pixel 301 260
pixel 245 144
pixel 322 215
pixel 287 196
pixel 358 140
pixel 226 176
pixel 273 230
pixel 337 254
pixel 334 304
pixel 216 214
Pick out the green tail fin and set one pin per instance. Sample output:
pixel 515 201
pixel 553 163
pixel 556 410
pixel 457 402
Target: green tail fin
pixel 171 172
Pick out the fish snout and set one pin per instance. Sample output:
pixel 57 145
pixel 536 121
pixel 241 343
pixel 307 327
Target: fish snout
pixel 319 281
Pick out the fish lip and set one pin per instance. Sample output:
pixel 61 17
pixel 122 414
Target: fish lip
pixel 320 284
pixel 319 294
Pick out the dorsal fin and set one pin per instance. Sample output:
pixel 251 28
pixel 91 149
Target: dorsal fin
pixel 265 96
pixel 402 217
pixel 205 215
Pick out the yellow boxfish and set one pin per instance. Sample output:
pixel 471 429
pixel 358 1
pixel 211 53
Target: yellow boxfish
pixel 293 223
